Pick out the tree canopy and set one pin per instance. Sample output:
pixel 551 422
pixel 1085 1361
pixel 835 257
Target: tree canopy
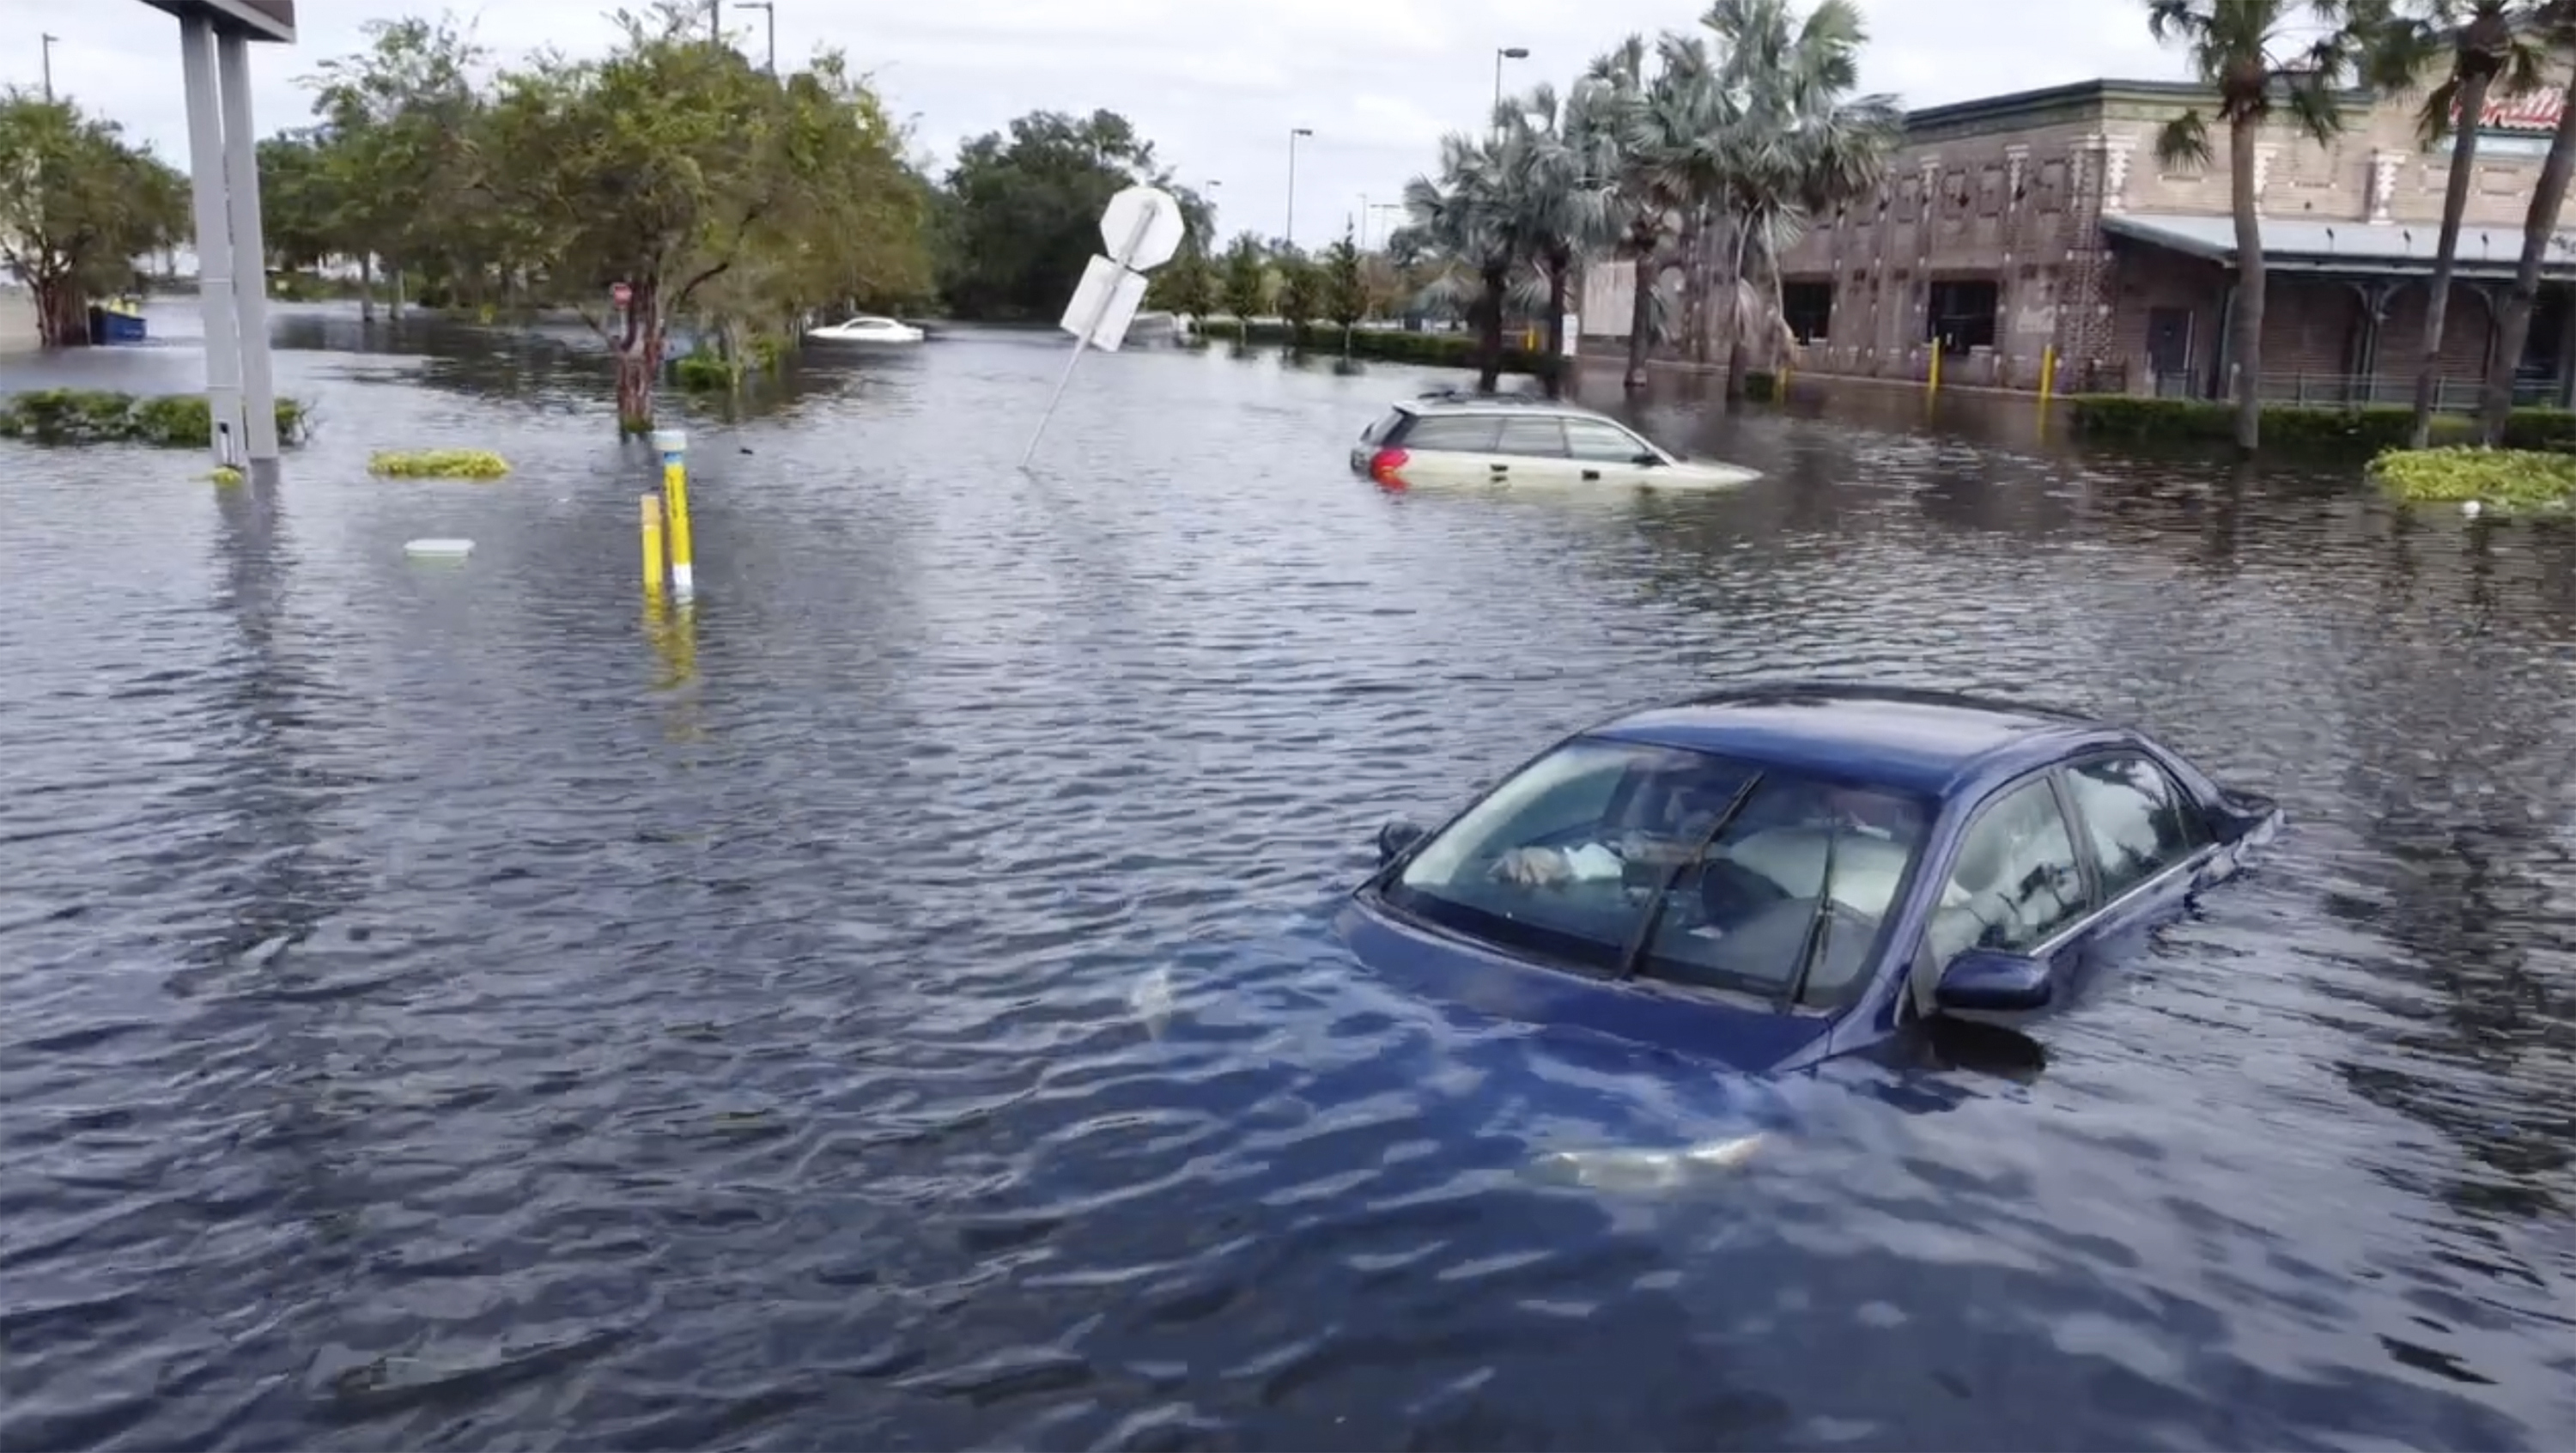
pixel 79 205
pixel 1020 213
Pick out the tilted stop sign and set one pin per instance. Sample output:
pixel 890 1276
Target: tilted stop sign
pixel 1142 228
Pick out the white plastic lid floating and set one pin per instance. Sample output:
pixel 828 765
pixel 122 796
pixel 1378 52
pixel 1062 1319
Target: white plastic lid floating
pixel 440 549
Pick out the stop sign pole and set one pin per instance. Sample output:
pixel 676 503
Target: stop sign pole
pixel 1142 228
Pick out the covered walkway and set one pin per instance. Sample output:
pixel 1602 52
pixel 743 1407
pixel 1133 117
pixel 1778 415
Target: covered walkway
pixel 2343 312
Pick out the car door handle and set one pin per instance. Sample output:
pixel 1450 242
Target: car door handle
pixel 1500 468
pixel 1592 474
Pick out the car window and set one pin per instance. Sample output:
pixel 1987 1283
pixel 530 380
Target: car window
pixel 1564 857
pixel 2014 881
pixel 1376 433
pixel 1600 443
pixel 1455 433
pixel 1532 439
pixel 1750 912
pixel 2136 818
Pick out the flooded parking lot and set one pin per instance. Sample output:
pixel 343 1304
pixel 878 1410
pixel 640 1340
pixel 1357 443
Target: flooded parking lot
pixel 447 1007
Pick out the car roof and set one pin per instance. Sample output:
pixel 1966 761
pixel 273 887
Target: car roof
pixel 1462 401
pixel 1927 742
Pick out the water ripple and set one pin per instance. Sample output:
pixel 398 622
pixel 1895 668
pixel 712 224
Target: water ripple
pixel 892 1005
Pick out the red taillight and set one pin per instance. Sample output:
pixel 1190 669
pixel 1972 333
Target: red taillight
pixel 1383 465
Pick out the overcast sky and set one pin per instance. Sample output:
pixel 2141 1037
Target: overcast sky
pixel 1216 84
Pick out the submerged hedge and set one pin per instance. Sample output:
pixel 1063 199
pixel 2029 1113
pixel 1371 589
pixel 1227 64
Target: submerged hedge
pixel 2507 478
pixel 1384 345
pixel 2123 418
pixel 96 416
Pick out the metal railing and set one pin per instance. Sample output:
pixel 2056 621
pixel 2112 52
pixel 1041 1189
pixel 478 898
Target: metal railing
pixel 2350 390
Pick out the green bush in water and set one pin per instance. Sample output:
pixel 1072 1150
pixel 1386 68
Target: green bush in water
pixel 2509 478
pixel 95 416
pixel 438 464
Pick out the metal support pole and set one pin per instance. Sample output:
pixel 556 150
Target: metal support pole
pixel 48 42
pixel 214 237
pixel 250 248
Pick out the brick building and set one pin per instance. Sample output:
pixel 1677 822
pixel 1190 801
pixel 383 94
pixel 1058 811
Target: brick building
pixel 2015 224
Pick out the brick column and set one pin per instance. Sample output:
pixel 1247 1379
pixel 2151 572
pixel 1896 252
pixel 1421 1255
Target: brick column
pixel 2085 269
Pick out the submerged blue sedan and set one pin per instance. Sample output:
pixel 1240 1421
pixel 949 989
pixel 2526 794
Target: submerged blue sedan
pixel 1783 874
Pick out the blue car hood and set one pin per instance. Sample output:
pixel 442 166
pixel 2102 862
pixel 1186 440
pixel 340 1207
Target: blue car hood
pixel 1453 971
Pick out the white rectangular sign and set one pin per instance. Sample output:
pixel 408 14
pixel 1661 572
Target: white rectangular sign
pixel 1105 304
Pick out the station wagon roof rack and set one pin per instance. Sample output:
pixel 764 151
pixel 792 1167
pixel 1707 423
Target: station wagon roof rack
pixel 1454 395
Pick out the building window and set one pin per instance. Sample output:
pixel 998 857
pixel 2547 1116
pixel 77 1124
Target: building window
pixel 1961 313
pixel 1808 309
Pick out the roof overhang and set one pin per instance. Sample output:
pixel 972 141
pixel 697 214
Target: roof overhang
pixel 254 19
pixel 2349 249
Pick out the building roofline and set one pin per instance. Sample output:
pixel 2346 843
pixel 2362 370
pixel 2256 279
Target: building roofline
pixel 2014 105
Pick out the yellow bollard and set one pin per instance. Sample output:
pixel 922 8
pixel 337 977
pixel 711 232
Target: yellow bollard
pixel 674 444
pixel 1932 380
pixel 650 507
pixel 2047 374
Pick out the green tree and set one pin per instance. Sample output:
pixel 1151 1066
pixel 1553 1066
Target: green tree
pixel 295 201
pixel 78 208
pixel 2265 59
pixel 1301 294
pixel 2480 45
pixel 1346 287
pixel 1247 283
pixel 1188 286
pixel 399 121
pixel 1021 210
pixel 1460 222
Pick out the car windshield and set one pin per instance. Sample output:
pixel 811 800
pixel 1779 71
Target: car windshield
pixel 1570 858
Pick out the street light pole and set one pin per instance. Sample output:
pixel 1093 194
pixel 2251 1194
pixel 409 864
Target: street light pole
pixel 770 9
pixel 1293 133
pixel 715 21
pixel 1502 54
pixel 49 67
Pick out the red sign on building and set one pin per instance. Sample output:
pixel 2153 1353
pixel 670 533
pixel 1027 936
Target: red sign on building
pixel 2531 111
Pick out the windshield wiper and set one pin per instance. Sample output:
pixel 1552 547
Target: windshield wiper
pixel 1634 953
pixel 1811 945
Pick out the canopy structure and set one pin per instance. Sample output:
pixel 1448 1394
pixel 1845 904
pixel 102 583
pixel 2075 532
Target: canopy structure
pixel 223 172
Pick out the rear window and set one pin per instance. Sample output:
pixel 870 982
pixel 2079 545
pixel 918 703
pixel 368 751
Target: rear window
pixel 1376 433
pixel 1455 433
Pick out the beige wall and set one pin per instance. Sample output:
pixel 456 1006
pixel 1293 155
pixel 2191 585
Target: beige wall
pixel 17 319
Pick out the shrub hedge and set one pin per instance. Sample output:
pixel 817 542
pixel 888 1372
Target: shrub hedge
pixel 1385 345
pixel 2122 418
pixel 96 416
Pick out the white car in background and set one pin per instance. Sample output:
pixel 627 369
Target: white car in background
pixel 865 330
pixel 1450 438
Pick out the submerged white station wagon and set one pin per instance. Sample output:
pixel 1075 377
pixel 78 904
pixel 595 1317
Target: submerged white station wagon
pixel 1449 438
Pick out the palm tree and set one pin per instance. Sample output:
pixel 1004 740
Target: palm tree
pixel 1459 220
pixel 2556 22
pixel 1805 143
pixel 1560 161
pixel 2485 43
pixel 2264 58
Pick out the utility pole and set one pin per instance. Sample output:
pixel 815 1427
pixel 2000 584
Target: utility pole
pixel 49 67
pixel 715 21
pixel 1290 237
pixel 771 9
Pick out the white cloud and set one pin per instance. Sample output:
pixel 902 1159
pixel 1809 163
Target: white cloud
pixel 1215 85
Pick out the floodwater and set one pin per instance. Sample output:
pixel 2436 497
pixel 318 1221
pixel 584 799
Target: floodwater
pixel 892 1007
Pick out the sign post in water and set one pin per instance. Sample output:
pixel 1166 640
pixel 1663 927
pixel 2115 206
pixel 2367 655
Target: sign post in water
pixel 1142 228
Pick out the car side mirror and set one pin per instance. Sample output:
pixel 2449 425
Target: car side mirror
pixel 1993 982
pixel 1647 460
pixel 1396 839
